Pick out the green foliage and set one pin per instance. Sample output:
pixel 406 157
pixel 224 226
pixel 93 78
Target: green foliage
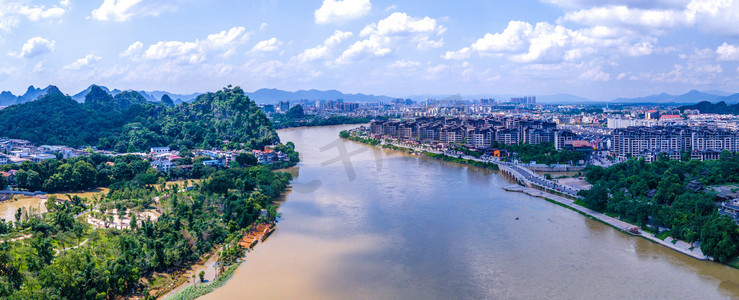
pixel 246 159
pixel 128 123
pixel 706 107
pixel 656 193
pixel 543 153
pixel 295 112
pixel 287 121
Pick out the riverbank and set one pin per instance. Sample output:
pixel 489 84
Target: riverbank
pixel 426 152
pixel 567 202
pixel 620 225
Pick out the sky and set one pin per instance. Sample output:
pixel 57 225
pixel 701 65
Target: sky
pixel 590 48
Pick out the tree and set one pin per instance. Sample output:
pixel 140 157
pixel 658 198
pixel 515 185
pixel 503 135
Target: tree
pixel 202 276
pixel 3 182
pixel 18 215
pixel 246 159
pixel 295 112
pixel 596 198
pixel 719 238
pixel 134 222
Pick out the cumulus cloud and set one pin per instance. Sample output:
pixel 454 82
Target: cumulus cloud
pixel 132 50
pixel 267 45
pixel 35 47
pixel 123 10
pixel 323 51
pixel 396 30
pixel 595 74
pixel 727 52
pixel 623 15
pixel 11 13
pixel 698 68
pixel 631 3
pixel 713 16
pixel 83 62
pixel 548 43
pixel 223 44
pixel 337 11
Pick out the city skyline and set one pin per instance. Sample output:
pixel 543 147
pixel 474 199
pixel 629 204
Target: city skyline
pixel 600 51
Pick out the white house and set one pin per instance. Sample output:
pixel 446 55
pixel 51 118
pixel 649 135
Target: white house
pixel 37 158
pixel 159 150
pixel 162 165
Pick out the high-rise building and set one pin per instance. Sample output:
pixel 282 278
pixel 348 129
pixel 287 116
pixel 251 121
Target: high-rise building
pixel 284 106
pixel 524 100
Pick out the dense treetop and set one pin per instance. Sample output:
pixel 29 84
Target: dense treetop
pixel 128 123
pixel 664 194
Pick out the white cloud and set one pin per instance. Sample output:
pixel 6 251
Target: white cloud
pixel 223 44
pixel 10 13
pixel 134 49
pixel 697 69
pixel 263 26
pixel 595 74
pixel 83 62
pixel 623 15
pixel 631 3
pixel 123 10
pixel 727 52
pixel 711 16
pixel 323 51
pixel 396 30
pixel 267 45
pixel 37 13
pixel 337 11
pixel 35 47
pixel 640 49
pixel 548 43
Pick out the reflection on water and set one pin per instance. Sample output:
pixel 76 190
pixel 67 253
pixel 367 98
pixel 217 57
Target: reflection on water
pixel 420 228
pixel 10 207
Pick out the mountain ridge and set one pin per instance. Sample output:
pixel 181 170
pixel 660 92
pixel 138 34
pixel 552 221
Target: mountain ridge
pixel 273 96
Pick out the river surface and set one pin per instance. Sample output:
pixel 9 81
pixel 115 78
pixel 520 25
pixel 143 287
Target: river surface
pixel 395 226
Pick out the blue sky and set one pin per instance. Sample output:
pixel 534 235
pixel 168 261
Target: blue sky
pixel 596 49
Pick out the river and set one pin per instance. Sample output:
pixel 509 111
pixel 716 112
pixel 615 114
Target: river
pixel 395 226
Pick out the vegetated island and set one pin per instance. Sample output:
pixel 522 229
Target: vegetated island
pixel 162 226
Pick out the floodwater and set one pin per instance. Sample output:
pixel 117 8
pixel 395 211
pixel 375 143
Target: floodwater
pixel 394 226
pixel 10 207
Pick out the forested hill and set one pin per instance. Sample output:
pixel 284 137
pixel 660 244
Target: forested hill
pixel 721 108
pixel 129 123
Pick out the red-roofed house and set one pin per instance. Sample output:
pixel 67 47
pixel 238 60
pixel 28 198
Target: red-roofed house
pixel 670 117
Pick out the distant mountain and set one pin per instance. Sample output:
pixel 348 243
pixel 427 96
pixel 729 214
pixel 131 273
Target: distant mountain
pixel 32 94
pixel 646 99
pixel 730 98
pixel 154 96
pixel 275 95
pixel 7 98
pixel 694 96
pixel 157 95
pixel 80 97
